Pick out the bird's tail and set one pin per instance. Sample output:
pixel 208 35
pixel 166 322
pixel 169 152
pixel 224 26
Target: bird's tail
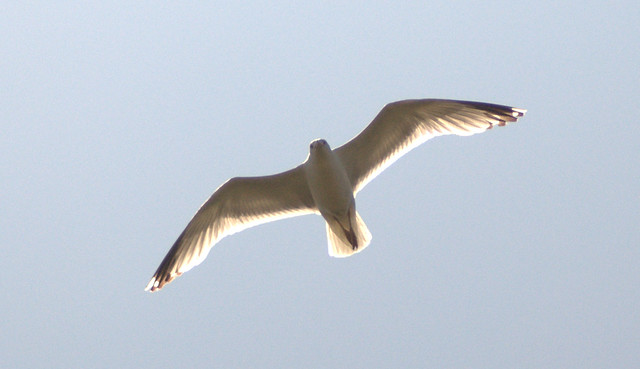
pixel 347 236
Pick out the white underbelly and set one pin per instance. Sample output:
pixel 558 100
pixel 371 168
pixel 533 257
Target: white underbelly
pixel 329 186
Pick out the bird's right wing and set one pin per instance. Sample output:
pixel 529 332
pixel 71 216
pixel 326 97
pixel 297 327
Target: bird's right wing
pixel 238 204
pixel 403 125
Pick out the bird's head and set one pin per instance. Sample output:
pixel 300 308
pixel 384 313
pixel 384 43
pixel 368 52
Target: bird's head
pixel 319 144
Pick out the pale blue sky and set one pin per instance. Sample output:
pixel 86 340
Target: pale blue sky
pixel 517 248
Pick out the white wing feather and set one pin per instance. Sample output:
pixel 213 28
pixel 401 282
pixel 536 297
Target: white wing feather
pixel 403 125
pixel 238 204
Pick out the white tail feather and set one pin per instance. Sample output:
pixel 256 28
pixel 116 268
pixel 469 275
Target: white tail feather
pixel 339 246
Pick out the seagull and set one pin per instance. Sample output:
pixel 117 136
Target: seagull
pixel 327 182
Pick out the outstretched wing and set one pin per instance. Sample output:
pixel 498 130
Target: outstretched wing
pixel 238 204
pixel 403 125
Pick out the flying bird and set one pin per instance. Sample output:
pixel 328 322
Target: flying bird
pixel 327 182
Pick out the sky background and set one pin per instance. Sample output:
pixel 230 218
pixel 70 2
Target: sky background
pixel 516 248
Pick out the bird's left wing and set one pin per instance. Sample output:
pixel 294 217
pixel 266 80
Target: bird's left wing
pixel 403 125
pixel 240 203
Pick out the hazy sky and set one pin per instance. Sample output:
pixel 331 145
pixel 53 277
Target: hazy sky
pixel 516 248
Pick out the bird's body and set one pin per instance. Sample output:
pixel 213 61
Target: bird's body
pixel 327 182
pixel 332 193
